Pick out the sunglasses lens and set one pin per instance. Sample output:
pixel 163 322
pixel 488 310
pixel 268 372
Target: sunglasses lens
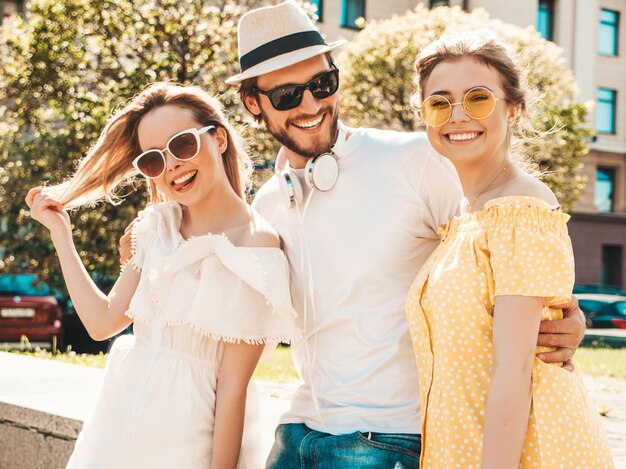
pixel 151 163
pixel 184 146
pixel 479 103
pixel 435 110
pixel 287 97
pixel 325 85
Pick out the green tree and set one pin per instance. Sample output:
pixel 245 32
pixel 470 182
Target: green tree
pixel 63 70
pixel 377 82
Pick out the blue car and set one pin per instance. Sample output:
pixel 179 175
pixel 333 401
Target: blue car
pixel 603 311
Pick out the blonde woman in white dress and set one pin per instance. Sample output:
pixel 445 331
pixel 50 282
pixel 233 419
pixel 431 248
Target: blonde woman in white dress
pixel 206 288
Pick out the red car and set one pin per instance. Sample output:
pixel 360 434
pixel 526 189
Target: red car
pixel 28 311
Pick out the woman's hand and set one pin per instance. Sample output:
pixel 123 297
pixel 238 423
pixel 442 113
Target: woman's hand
pixel 48 211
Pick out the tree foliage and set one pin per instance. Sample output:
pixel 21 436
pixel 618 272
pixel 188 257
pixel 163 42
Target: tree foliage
pixel 68 65
pixel 64 69
pixel 377 82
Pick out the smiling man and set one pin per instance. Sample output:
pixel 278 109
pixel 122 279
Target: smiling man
pixel 358 212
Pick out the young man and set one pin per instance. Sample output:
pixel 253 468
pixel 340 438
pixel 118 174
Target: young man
pixel 357 226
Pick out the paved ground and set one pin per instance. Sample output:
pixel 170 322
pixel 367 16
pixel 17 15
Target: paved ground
pixel 608 393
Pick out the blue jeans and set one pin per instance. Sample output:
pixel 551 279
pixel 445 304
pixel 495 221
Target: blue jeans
pixel 299 447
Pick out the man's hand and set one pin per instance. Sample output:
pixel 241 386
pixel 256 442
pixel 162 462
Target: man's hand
pixel 564 334
pixel 126 246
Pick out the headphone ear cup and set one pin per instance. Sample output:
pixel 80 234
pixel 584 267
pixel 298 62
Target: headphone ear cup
pixel 290 188
pixel 321 172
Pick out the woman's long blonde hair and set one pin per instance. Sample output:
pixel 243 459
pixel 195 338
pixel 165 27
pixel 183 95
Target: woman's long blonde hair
pixel 108 164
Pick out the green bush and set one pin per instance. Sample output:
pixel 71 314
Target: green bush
pixel 377 82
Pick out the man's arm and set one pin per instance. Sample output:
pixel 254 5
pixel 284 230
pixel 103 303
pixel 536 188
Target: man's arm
pixel 565 334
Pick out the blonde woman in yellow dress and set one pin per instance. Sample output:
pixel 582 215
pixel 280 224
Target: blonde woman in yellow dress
pixel 475 307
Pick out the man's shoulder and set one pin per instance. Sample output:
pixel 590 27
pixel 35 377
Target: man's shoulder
pixel 267 196
pixel 393 138
pixel 406 148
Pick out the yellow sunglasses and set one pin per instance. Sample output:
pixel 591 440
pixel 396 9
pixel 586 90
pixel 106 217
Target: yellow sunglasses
pixel 478 103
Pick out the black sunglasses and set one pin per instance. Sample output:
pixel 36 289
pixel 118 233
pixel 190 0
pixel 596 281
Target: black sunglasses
pixel 288 97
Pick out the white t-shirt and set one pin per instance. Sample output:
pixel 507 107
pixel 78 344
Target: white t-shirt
pixel 365 240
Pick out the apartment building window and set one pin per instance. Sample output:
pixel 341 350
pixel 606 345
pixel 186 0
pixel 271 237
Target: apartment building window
pixel 605 111
pixel 608 32
pixel 351 10
pixel 545 19
pixel 612 261
pixel 439 3
pixel 319 4
pixel 604 190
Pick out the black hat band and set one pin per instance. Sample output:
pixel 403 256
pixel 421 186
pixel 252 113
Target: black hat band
pixel 280 46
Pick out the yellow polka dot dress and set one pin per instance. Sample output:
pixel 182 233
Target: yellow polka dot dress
pixel 514 246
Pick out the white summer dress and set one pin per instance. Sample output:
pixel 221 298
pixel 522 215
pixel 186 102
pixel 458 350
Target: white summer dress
pixel 157 403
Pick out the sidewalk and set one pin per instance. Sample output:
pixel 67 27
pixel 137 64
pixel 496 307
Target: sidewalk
pixel 609 394
pixel 275 399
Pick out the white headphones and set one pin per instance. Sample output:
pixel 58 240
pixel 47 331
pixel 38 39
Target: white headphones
pixel 320 173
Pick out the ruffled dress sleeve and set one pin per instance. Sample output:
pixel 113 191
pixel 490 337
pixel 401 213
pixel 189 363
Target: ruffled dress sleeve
pixel 222 291
pixel 255 296
pixel 158 223
pixel 530 251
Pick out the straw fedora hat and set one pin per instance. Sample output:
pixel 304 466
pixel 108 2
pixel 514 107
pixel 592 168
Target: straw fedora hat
pixel 275 37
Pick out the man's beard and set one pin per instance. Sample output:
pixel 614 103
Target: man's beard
pixel 290 143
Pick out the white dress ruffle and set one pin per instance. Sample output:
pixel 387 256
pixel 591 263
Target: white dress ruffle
pixel 157 403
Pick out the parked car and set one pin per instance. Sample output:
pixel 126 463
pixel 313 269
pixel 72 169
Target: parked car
pixel 619 323
pixel 29 310
pixel 593 288
pixel 603 311
pixel 76 336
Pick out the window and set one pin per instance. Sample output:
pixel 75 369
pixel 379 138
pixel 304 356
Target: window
pixel 545 19
pixel 351 10
pixel 604 190
pixel 319 4
pixel 607 35
pixel 605 111
pixel 439 3
pixel 612 257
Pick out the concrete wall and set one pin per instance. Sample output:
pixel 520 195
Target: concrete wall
pixel 42 406
pixel 519 12
pixel 607 159
pixel 35 440
pixel 374 10
pixel 588 233
pixel 610 72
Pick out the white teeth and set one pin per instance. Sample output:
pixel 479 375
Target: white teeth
pixel 465 136
pixel 185 177
pixel 309 124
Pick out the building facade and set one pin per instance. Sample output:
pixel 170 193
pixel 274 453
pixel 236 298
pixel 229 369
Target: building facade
pixel 592 35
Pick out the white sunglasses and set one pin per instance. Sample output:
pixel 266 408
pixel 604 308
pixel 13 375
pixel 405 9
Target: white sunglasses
pixel 183 146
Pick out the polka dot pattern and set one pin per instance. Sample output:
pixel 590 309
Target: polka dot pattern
pixel 514 246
